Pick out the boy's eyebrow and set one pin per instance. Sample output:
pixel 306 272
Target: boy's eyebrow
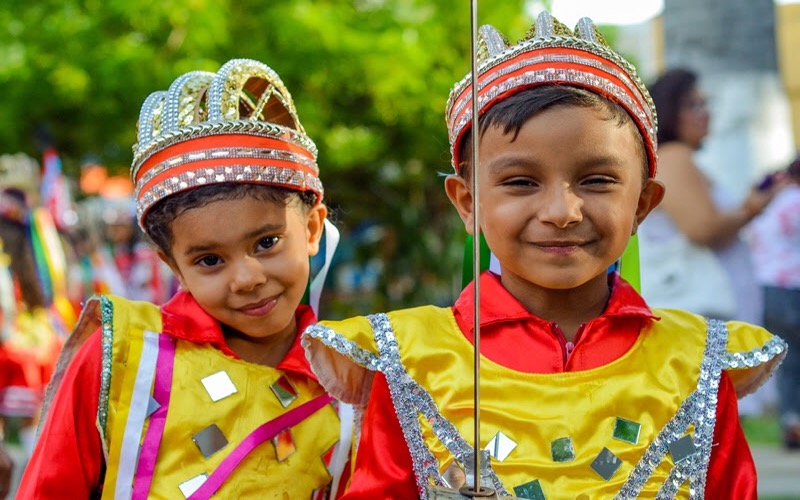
pixel 498 164
pixel 503 162
pixel 266 228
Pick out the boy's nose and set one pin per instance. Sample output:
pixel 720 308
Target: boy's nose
pixel 248 275
pixel 561 207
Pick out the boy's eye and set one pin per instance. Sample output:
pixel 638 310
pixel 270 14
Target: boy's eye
pixel 209 261
pixel 599 180
pixel 519 181
pixel 267 243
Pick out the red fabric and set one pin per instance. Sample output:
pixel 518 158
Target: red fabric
pixel 504 322
pixel 68 459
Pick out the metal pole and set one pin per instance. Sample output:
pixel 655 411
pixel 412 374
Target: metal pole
pixel 476 244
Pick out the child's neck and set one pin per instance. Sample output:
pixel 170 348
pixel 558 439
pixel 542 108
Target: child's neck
pixel 569 309
pixel 267 351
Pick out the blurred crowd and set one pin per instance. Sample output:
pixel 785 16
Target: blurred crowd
pixel 60 243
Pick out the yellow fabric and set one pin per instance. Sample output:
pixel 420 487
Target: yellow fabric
pixel 129 322
pixel 646 385
pixel 260 475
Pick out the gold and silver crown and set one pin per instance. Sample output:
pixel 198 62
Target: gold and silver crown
pixel 550 53
pixel 236 125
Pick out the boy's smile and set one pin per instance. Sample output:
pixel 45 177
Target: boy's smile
pixel 560 200
pixel 245 261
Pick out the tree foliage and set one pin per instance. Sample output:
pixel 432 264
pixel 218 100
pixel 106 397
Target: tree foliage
pixel 370 79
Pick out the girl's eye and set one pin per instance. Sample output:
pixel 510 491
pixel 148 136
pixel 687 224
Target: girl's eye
pixel 209 261
pixel 267 243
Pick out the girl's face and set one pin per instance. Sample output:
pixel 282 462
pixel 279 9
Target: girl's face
pixel 246 262
pixel 559 201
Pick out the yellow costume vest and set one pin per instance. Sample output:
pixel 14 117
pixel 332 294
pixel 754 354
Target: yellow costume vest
pixel 640 425
pixel 173 413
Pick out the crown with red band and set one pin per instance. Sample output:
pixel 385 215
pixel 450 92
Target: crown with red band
pixel 550 54
pixel 236 125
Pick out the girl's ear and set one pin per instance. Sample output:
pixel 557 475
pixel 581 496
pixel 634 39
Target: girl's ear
pixel 461 197
pixel 315 221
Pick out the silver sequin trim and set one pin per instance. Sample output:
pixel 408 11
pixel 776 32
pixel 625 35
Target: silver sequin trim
pixel 773 347
pixel 107 341
pixel 699 409
pixel 410 399
pixel 343 346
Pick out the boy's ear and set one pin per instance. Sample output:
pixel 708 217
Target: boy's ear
pixel 461 197
pixel 650 197
pixel 315 222
pixel 166 259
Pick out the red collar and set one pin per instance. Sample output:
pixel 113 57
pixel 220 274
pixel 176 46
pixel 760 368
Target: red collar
pixel 498 305
pixel 184 319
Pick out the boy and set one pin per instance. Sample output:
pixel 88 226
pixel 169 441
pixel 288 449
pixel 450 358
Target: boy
pixel 586 392
pixel 185 396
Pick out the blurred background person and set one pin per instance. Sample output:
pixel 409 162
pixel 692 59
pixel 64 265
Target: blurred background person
pixel 693 256
pixel 775 240
pixel 34 312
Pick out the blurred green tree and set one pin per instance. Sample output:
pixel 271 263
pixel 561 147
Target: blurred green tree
pixel 370 79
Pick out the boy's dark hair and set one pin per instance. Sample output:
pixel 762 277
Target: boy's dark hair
pixel 669 93
pixel 514 112
pixel 157 222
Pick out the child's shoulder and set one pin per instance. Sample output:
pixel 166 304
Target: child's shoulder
pixel 369 322
pixel 750 355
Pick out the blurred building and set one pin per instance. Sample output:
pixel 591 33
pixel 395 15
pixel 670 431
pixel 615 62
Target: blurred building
pixel 755 109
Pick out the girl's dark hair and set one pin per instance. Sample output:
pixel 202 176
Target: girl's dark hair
pixel 513 112
pixel 158 221
pixel 669 93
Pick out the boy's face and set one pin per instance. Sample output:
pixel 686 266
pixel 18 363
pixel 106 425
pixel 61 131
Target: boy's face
pixel 560 201
pixel 245 261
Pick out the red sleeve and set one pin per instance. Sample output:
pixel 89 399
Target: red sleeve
pixel 383 464
pixel 732 471
pixel 68 458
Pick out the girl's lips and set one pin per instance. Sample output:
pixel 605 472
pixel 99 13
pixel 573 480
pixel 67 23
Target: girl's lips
pixel 260 308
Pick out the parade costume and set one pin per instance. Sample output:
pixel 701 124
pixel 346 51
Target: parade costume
pixel 152 402
pixel 641 402
pixel 182 351
pixel 624 394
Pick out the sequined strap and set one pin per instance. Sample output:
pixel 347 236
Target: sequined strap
pixel 410 399
pixel 691 455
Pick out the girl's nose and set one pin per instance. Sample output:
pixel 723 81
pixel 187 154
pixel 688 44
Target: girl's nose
pixel 248 275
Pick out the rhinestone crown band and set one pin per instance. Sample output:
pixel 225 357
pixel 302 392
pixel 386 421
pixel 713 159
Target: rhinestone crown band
pixel 550 53
pixel 236 125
